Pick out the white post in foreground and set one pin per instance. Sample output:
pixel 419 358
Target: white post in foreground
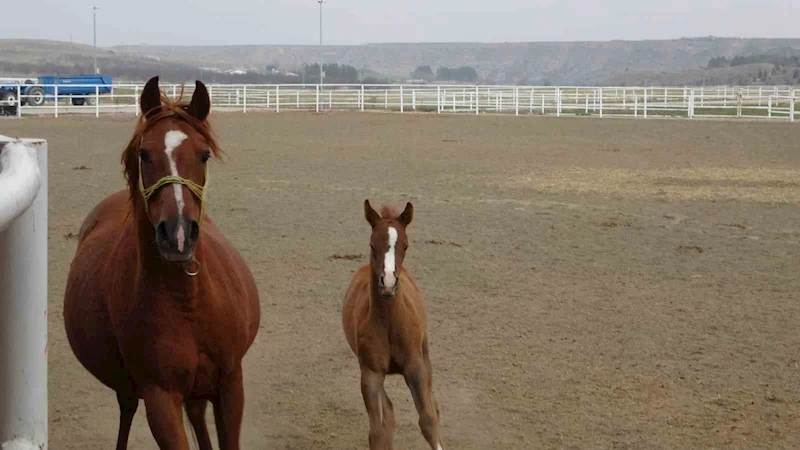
pixel 23 294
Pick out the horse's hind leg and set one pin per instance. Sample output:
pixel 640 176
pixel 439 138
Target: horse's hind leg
pixel 128 404
pixel 419 378
pixel 196 411
pixel 375 400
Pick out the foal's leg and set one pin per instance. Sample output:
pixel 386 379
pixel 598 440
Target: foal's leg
pixel 419 378
pixel 374 399
pixel 165 417
pixel 228 410
pixel 196 410
pixel 127 409
pixel 389 423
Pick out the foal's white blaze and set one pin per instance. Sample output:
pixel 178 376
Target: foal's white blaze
pixel 389 260
pixel 172 140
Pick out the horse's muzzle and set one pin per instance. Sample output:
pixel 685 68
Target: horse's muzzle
pixel 176 239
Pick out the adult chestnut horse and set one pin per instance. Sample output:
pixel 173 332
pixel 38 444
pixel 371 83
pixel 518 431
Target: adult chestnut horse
pixel 158 305
pixel 386 325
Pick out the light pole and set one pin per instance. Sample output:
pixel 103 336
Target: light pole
pixel 321 72
pixel 94 26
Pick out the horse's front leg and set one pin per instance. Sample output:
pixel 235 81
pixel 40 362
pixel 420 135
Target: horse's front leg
pixel 228 410
pixel 165 417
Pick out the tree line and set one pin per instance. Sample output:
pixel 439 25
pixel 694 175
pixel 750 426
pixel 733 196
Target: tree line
pixel 465 74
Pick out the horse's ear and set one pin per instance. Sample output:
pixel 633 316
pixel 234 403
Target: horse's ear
pixel 151 97
pixel 407 216
pixel 372 216
pixel 201 103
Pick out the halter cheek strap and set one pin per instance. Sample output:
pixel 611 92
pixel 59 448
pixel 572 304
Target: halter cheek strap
pixel 197 190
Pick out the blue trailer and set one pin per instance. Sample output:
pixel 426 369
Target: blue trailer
pixel 80 88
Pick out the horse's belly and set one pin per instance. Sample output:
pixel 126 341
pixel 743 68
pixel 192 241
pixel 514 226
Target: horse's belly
pixel 88 324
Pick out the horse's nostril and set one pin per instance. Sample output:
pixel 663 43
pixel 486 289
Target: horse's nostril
pixel 195 230
pixel 382 280
pixel 161 229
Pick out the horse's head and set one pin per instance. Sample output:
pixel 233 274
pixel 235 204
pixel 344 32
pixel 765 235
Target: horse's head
pixel 389 244
pixel 166 168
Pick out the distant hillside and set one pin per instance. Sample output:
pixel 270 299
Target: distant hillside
pixel 584 63
pixel 534 62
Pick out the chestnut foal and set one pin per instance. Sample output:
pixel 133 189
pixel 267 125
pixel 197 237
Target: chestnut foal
pixel 386 325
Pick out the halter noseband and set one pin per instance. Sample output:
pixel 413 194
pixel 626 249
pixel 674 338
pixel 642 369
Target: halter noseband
pixel 197 190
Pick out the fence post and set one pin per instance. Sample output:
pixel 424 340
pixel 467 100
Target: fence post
pixel 55 100
pixel 601 102
pixel 691 103
pixel 414 99
pixel 402 103
pixel 516 101
pixel 791 105
pixel 23 295
pixel 330 100
pixel 438 99
pixel 558 102
pixel 136 99
pixel 19 101
pixel 317 89
pixel 769 107
pixel 635 104
pixel 97 101
pixel 278 98
pixel 244 99
pixel 530 106
pixel 477 100
pixel 297 98
pixel 174 91
pixel 362 98
pixel 386 99
pixel 645 103
pixel 738 104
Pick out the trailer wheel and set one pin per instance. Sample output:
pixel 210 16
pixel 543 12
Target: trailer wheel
pixel 91 101
pixel 9 98
pixel 78 101
pixel 36 96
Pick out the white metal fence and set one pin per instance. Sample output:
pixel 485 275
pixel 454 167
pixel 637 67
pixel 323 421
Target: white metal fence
pixel 755 102
pixel 23 294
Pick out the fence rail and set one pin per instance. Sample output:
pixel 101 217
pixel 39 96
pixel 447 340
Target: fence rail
pixel 754 102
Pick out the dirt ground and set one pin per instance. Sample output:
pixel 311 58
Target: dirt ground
pixel 591 283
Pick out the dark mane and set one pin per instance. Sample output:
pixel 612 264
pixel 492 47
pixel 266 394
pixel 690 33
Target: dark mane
pixel 389 213
pixel 169 108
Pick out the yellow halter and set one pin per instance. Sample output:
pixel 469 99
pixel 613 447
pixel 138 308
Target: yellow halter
pixel 199 191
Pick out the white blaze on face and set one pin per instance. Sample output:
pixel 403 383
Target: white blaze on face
pixel 389 260
pixel 172 140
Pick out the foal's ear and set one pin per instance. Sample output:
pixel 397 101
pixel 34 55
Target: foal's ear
pixel 151 97
pixel 407 215
pixel 200 105
pixel 372 216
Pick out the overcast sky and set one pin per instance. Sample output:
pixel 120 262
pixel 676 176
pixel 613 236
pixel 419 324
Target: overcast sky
pixel 216 22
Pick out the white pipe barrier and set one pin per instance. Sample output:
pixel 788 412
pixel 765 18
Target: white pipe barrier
pixel 23 294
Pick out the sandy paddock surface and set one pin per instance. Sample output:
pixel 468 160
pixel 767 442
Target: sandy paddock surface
pixel 591 283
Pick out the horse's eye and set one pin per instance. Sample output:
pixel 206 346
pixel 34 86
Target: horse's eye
pixel 205 156
pixel 144 156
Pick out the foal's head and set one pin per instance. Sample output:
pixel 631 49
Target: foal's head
pixel 165 164
pixel 389 244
